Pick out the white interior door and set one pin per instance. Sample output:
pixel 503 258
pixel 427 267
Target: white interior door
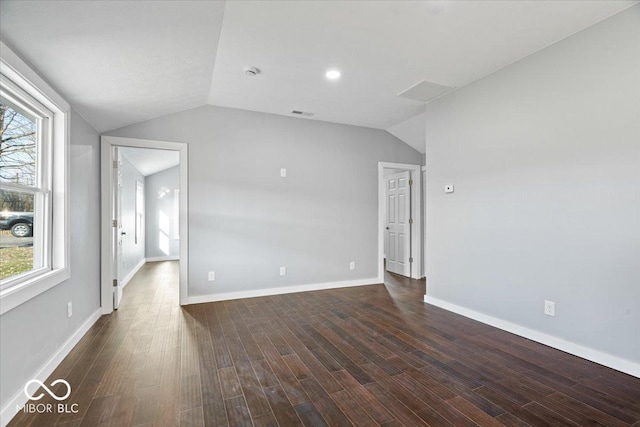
pixel 117 230
pixel 398 226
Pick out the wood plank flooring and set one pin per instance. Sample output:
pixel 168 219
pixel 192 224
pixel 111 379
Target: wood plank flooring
pixel 368 356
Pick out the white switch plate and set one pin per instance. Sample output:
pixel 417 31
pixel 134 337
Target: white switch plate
pixel 448 188
pixel 283 173
pixel 212 276
pixel 352 265
pixel 69 309
pixel 549 308
pixel 283 271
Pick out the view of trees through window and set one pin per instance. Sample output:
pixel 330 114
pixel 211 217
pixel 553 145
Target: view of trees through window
pixel 18 149
pixel 18 171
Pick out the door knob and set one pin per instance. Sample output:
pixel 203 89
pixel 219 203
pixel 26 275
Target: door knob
pixel 387 228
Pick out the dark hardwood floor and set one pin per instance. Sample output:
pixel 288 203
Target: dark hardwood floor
pixel 368 356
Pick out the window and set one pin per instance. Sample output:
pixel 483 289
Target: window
pixel 25 193
pixel 33 192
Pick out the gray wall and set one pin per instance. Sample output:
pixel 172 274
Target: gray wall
pixel 132 252
pixel 545 159
pixel 160 197
pixel 32 332
pixel 246 221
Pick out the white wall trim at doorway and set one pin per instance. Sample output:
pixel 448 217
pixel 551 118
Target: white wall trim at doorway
pixel 416 230
pixel 107 245
pixel 424 218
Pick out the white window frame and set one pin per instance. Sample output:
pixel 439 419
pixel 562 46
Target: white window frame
pixel 17 76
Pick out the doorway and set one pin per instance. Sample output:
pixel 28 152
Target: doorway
pixel 137 226
pixel 399 220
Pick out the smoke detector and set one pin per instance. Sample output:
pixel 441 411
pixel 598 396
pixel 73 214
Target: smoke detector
pixel 250 70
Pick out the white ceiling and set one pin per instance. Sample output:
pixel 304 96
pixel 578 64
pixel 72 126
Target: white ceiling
pixel 382 49
pixel 119 62
pixel 122 62
pixel 149 161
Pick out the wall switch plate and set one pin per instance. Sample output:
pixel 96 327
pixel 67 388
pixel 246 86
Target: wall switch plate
pixel 352 265
pixel 212 276
pixel 69 309
pixel 549 308
pixel 448 188
pixel 283 271
pixel 283 173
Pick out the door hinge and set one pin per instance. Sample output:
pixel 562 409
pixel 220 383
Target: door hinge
pixel 115 164
pixel 410 182
pixel 410 220
pixel 115 283
pixel 115 223
pixel 410 259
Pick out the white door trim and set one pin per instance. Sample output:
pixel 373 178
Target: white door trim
pixel 397 230
pixel 106 281
pixel 416 230
pixel 424 224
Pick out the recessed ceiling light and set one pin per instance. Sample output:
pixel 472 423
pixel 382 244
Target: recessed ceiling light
pixel 333 74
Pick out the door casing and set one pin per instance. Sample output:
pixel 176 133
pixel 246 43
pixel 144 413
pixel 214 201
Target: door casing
pixel 107 209
pixel 398 222
pixel 416 230
pixel 117 231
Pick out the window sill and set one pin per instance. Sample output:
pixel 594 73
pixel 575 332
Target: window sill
pixel 31 288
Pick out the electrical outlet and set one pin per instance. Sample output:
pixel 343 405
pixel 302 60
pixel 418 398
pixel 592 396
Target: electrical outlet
pixel 549 308
pixel 283 271
pixel 283 173
pixel 212 276
pixel 69 309
pixel 352 265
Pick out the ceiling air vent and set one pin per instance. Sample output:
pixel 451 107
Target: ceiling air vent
pixel 425 91
pixel 302 113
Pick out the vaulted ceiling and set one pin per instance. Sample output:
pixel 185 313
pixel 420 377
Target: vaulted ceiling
pixel 118 62
pixel 122 62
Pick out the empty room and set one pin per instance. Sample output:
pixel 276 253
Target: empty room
pixel 319 213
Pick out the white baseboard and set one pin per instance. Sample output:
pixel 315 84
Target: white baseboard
pixel 198 299
pixel 597 356
pixel 133 272
pixel 19 399
pixel 163 258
